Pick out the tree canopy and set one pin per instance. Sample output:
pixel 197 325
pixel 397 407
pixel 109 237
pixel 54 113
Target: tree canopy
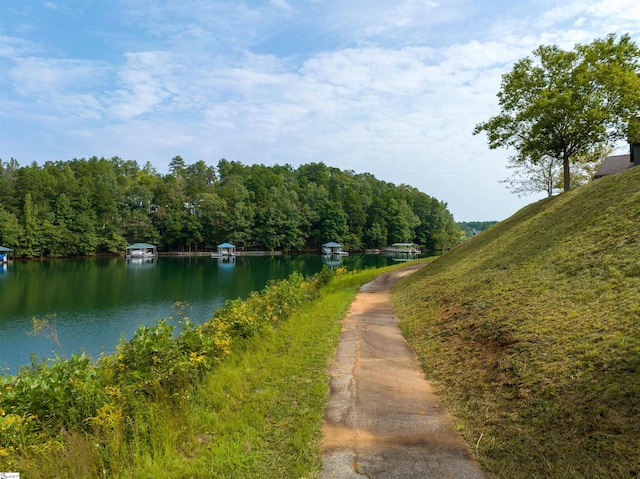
pixel 564 105
pixel 90 206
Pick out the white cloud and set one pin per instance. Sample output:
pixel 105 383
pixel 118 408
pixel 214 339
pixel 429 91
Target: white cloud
pixel 13 48
pixel 612 10
pixel 281 4
pixel 412 11
pixel 51 5
pixel 390 88
pixel 146 83
pixel 59 87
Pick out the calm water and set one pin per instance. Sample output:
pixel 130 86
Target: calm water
pixel 96 301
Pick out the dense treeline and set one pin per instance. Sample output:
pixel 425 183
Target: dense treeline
pixel 89 206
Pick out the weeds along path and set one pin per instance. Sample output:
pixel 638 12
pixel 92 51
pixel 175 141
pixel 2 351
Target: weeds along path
pixel 383 419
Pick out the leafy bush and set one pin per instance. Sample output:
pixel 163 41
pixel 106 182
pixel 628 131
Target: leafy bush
pixel 46 403
pixel 156 360
pixel 264 309
pixel 59 392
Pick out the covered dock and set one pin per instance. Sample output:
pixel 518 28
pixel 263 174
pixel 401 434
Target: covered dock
pixel 333 248
pixel 142 250
pixel 223 250
pixel 5 254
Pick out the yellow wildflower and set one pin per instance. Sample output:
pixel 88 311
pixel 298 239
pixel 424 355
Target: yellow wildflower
pixel 196 358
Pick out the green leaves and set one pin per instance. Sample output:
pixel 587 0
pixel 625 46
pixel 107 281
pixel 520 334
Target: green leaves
pixel 87 206
pixel 562 104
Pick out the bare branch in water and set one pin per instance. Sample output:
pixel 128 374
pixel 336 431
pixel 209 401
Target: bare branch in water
pixel 47 328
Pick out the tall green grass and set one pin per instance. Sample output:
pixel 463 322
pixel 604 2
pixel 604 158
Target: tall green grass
pixel 531 331
pixel 260 414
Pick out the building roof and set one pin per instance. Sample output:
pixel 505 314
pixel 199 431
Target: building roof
pixel 613 164
pixel 141 246
pixel 5 250
pixel 226 245
pixel 332 244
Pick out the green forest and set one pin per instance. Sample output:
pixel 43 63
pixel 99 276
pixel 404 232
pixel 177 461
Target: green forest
pixel 85 207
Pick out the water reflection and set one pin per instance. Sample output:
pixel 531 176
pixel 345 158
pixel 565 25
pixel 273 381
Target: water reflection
pixel 96 301
pixel 141 261
pixel 226 262
pixel 396 256
pixel 332 260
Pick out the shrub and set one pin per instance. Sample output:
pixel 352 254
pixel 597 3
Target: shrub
pixel 263 309
pixel 47 403
pixel 56 393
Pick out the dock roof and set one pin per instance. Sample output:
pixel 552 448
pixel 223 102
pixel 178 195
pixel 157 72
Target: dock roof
pixel 140 246
pixel 5 250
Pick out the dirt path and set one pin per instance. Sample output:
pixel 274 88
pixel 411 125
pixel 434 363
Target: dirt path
pixel 383 419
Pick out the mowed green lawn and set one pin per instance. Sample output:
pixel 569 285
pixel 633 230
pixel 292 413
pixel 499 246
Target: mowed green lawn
pixel 531 332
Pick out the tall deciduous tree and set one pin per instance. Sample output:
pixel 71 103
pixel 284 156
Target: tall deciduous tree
pixel 333 224
pixel 10 229
pixel 564 104
pixel 8 174
pixel 30 243
pixel 235 215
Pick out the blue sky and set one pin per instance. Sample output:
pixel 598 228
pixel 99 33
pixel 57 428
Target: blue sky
pixel 391 88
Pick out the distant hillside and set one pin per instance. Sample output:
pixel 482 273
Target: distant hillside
pixel 531 331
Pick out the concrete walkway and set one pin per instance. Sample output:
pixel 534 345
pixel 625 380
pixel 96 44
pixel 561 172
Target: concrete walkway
pixel 383 420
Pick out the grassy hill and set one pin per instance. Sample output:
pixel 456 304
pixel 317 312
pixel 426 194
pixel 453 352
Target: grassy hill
pixel 531 332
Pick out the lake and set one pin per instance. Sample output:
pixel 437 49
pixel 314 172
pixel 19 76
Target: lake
pixel 96 301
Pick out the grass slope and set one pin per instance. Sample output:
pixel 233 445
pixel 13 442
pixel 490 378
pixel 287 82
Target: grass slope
pixel 531 331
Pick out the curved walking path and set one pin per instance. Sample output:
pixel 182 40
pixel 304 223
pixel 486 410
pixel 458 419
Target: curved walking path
pixel 383 419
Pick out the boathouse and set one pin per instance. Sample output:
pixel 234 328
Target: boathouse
pixel 142 250
pixel 333 248
pixel 4 254
pixel 225 249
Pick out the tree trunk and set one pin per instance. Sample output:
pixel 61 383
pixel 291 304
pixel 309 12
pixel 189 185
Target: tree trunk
pixel 567 178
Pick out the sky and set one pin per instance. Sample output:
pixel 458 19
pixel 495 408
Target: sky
pixel 390 88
